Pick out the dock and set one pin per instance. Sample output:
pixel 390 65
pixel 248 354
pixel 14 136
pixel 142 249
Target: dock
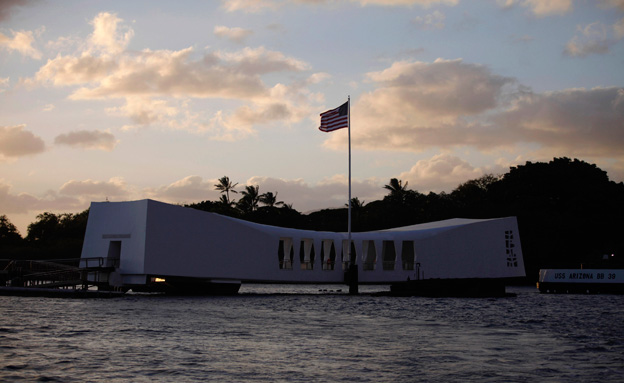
pixel 63 278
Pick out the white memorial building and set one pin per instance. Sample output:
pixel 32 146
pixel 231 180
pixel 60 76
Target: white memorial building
pixel 144 243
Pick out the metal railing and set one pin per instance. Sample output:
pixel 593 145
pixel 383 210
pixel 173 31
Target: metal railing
pixel 67 273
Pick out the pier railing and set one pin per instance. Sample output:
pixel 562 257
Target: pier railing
pixel 36 273
pixel 62 273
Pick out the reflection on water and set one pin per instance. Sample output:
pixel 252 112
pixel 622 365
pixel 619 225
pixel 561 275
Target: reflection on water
pixel 302 333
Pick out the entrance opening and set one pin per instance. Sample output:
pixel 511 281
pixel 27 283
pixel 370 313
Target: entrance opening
pixel 114 254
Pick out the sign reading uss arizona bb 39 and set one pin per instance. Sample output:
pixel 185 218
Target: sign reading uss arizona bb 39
pixel 582 275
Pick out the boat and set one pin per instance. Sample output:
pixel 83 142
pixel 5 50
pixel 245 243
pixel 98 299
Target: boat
pixel 581 281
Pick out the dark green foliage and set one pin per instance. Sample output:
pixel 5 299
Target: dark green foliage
pixel 11 242
pixel 327 220
pixel 51 227
pixel 568 212
pixel 275 216
pixel 54 236
pixel 47 227
pixel 226 186
pixel 219 207
pixel 270 199
pixel 251 197
pixel 9 235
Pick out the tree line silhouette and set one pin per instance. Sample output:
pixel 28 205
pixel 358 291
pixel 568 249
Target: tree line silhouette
pixel 569 213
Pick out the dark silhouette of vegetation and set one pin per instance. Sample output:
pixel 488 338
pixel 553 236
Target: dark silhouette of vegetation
pixel 251 197
pixel 356 204
pixel 51 236
pixel 568 211
pixel 398 190
pixel 8 232
pixel 270 199
pixel 226 186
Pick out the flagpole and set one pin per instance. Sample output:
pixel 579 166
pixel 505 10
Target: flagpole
pixel 349 128
pixel 353 271
pixel 332 120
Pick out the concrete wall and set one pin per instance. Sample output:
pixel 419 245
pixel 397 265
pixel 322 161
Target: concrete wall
pixel 158 239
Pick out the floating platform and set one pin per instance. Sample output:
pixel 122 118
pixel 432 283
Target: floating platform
pixel 189 286
pixel 58 293
pixel 460 287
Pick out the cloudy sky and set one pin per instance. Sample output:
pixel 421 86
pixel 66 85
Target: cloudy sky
pixel 125 100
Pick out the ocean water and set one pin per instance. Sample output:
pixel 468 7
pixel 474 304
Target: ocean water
pixel 303 334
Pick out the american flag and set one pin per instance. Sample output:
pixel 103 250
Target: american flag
pixel 335 119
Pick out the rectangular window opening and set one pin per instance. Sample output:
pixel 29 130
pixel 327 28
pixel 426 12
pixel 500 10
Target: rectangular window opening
pixel 306 254
pixel 408 255
pixel 388 255
pixel 328 255
pixel 369 256
pixel 285 253
pixel 345 253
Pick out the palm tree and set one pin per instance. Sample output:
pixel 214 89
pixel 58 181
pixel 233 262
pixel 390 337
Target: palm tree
pixel 224 201
pixel 288 206
pixel 398 190
pixel 396 186
pixel 250 199
pixel 225 186
pixel 270 199
pixel 356 203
